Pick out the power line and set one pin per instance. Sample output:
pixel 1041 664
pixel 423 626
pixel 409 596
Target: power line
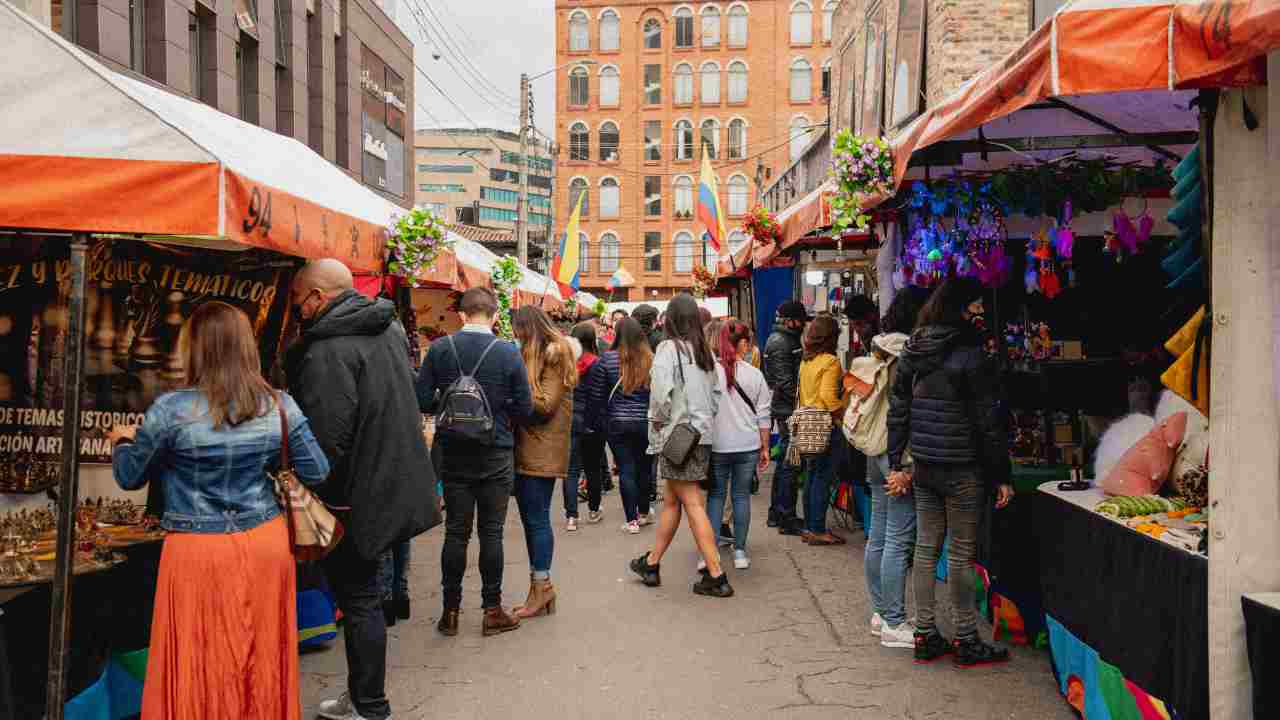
pixel 427 35
pixel 462 55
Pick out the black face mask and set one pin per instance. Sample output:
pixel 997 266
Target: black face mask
pixel 296 312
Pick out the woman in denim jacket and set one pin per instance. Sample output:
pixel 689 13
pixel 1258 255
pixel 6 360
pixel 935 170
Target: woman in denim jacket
pixel 224 637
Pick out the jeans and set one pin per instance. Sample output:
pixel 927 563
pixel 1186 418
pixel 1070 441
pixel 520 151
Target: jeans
pixel 356 586
pixel 817 494
pixel 893 529
pixel 734 470
pixel 635 468
pixel 482 502
pixel 533 497
pixel 782 496
pixel 586 455
pixel 393 571
pixel 957 507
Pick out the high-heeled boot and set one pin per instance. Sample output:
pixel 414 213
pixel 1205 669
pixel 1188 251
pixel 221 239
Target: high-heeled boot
pixel 541 600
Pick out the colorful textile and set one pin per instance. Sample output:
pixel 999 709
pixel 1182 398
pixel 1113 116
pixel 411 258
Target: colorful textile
pixel 1094 687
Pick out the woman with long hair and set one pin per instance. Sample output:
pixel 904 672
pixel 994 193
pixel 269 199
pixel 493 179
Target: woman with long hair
pixel 225 598
pixel 626 410
pixel 586 444
pixel 542 445
pixel 820 387
pixel 684 398
pixel 946 409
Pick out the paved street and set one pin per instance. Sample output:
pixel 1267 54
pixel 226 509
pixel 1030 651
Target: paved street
pixel 792 644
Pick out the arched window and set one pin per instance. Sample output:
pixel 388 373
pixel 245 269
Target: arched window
pixel 799 136
pixel 579 87
pixel 684 84
pixel 584 262
pixel 610 252
pixel 684 195
pixel 609 86
pixel 578 188
pixel 579 36
pixel 737 239
pixel 684 27
pixel 801 81
pixel 610 196
pixel 709 255
pixel 684 140
pixel 609 140
pixel 738 195
pixel 684 252
pixel 711 137
pixel 826 79
pixel 828 15
pixel 801 23
pixel 609 30
pixel 710 83
pixel 737 139
pixel 652 34
pixel 711 26
pixel 737 82
pixel 579 142
pixel 737 26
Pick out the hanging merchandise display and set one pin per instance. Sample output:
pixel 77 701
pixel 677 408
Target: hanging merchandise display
pixel 1183 263
pixel 954 229
pixel 415 240
pixel 862 168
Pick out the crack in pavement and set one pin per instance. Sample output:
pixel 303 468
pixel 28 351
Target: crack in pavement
pixel 803 692
pixel 813 597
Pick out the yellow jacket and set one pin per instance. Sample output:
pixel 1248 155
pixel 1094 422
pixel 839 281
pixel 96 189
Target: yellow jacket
pixel 820 384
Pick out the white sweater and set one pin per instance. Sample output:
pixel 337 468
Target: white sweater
pixel 737 428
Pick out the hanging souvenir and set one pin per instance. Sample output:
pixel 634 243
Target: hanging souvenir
pixel 1064 241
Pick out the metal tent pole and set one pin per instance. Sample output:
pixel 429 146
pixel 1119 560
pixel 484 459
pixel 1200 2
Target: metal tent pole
pixel 72 370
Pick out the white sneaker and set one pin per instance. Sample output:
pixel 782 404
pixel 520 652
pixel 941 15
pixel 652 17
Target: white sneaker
pixel 339 709
pixel 702 565
pixel 877 623
pixel 594 516
pixel 903 636
pixel 632 527
pixel 740 560
pixel 571 525
pixel 645 519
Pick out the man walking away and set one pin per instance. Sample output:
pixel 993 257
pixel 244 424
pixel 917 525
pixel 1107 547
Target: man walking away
pixel 782 372
pixel 350 374
pixel 476 384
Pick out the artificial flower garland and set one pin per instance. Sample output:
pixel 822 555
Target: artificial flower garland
pixel 415 240
pixel 703 281
pixel 506 276
pixel 862 168
pixel 763 225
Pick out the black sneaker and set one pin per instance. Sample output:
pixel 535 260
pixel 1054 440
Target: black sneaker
pixel 726 532
pixel 713 587
pixel 649 574
pixel 973 652
pixel 931 646
pixel 773 519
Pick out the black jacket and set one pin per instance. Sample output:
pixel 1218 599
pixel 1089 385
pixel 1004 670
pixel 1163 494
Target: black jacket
pixel 589 397
pixel 350 374
pixel 782 355
pixel 946 404
pixel 622 412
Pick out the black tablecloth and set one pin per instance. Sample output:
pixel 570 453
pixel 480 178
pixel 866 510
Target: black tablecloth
pixel 1140 603
pixel 1262 632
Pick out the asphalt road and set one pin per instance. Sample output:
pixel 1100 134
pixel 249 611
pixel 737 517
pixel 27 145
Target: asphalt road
pixel 792 644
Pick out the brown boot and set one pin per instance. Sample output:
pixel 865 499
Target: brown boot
pixel 497 620
pixel 448 624
pixel 542 599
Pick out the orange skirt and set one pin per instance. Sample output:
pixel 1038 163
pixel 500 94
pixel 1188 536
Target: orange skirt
pixel 224 637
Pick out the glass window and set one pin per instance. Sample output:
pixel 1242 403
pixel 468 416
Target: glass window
pixel 684 28
pixel 828 15
pixel 801 23
pixel 653 252
pixel 579 87
pixel 652 195
pixel 799 137
pixel 737 26
pixel 443 188
pixel 579 142
pixel 738 195
pixel 684 140
pixel 578 188
pixel 652 140
pixel 610 252
pixel 737 139
pixel 500 175
pixel 710 27
pixel 609 87
pixel 652 34
pixel 684 252
pixel 826 79
pixel 584 264
pixel 609 30
pixel 737 239
pixel 499 195
pixel 653 84
pixel 709 255
pixel 684 196
pixel 710 84
pixel 737 82
pixel 437 209
pixel 684 84
pixel 459 169
pixel 608 142
pixel 578 33
pixel 610 196
pixel 801 81
pixel 711 138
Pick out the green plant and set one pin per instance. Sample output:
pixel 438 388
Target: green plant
pixel 415 240
pixel 506 276
pixel 862 168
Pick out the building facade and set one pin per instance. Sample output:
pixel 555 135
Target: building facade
pixel 472 177
pixel 334 74
pixel 645 87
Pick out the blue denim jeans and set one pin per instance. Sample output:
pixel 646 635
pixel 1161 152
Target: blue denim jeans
pixel 782 495
pixel 733 471
pixel 533 497
pixel 393 571
pixel 586 455
pixel 817 494
pixel 635 470
pixel 892 532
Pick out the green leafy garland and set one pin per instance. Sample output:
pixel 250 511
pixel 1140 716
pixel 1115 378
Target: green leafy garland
pixel 861 166
pixel 506 276
pixel 415 240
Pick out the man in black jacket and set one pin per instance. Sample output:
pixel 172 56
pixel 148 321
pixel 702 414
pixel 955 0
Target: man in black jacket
pixel 350 373
pixel 782 353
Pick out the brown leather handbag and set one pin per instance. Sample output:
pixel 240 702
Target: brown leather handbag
pixel 313 531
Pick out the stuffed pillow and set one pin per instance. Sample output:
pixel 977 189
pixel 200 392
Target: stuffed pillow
pixel 1193 455
pixel 1143 469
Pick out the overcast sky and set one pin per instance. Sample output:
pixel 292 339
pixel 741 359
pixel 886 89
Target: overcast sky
pixel 501 38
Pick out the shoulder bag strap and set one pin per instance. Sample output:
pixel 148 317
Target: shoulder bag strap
pixel 483 355
pixel 457 359
pixel 614 390
pixel 285 494
pixel 285 463
pixel 738 386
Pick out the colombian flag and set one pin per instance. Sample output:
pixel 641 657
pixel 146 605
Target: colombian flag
pixel 709 211
pixel 565 268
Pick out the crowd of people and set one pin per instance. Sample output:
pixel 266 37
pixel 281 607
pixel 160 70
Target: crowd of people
pixel 672 397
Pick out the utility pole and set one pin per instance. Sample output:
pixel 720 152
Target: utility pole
pixel 522 210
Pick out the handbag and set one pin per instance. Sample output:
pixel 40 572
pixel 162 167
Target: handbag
pixel 810 433
pixel 684 437
pixel 313 531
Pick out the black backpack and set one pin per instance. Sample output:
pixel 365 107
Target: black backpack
pixel 464 408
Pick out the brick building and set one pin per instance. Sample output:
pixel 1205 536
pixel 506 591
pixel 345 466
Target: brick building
pixel 334 74
pixel 659 81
